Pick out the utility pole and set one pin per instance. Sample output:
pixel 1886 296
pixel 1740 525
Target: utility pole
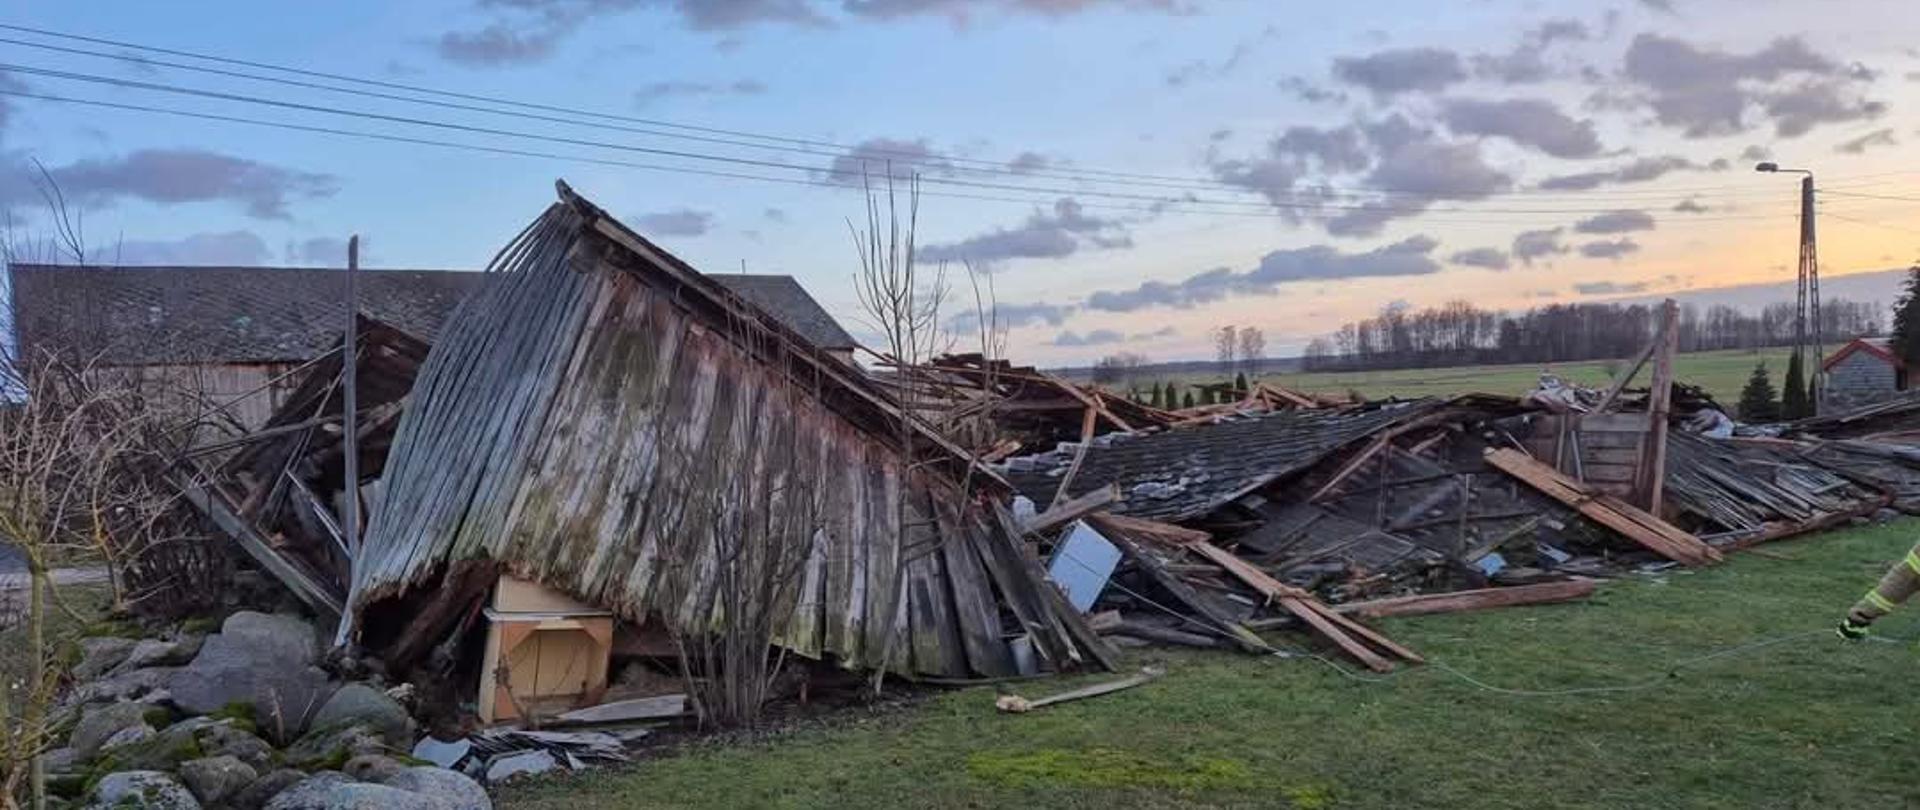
pixel 1806 322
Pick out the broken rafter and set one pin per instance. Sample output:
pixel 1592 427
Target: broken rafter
pixel 1460 601
pixel 1634 523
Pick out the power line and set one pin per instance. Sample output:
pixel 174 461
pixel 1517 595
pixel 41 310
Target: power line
pixel 1867 196
pixel 1888 226
pixel 1157 200
pixel 807 146
pixel 498 150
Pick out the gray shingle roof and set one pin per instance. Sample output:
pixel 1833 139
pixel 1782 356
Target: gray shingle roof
pixel 784 298
pixel 150 315
pixel 1189 471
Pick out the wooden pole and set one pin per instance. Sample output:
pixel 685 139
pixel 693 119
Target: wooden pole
pixel 350 402
pixel 1659 404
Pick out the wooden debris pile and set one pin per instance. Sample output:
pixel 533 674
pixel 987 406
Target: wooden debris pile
pixel 1001 409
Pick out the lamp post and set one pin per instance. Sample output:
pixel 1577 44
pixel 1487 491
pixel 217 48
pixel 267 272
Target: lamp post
pixel 1807 299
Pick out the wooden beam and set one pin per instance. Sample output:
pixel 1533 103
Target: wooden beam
pixel 1620 383
pixel 1634 523
pixel 313 593
pixel 1335 628
pixel 1352 466
pixel 1461 601
pixel 1064 513
pixel 1079 455
pixel 1652 483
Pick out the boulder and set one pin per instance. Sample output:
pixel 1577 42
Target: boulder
pixel 363 704
pixel 372 768
pixel 328 748
pixel 162 750
pixel 142 790
pixel 450 788
pixel 99 723
pixel 62 760
pixel 98 656
pixel 153 652
pixel 213 780
pixel 331 790
pixel 258 660
pixel 256 795
pixel 126 737
pixel 228 740
pixel 144 685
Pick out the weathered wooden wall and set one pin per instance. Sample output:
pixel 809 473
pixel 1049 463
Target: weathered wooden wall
pixel 242 387
pixel 574 420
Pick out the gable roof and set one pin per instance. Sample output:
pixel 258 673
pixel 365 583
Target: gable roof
pixel 784 298
pixel 1878 347
pixel 154 315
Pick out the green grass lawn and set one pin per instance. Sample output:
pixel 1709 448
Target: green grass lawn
pixel 1722 373
pixel 1810 722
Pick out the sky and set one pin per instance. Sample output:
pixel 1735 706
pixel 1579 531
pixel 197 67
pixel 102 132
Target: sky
pixel 1126 175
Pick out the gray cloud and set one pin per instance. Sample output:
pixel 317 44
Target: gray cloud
pixel 1427 168
pixel 1798 110
pixel 1535 123
pixel 1404 70
pixel 1012 316
pixel 168 176
pixel 1309 92
pixel 1045 235
pixel 1641 170
pixel 1615 222
pixel 1029 162
pixel 676 222
pixel 1610 288
pixel 1609 249
pixel 324 251
pixel 963 11
pixel 1705 92
pixel 1527 61
pixel 1878 137
pixel 231 248
pixel 877 158
pixel 499 44
pixel 1097 337
pixel 1484 257
pixel 1755 153
pixel 775 214
pixel 1529 246
pixel 659 90
pixel 1162 332
pixel 1690 205
pixel 1408 257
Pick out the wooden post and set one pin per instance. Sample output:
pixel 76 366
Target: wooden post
pixel 350 362
pixel 1653 479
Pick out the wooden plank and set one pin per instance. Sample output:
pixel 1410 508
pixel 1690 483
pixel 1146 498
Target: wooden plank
pixel 1182 592
pixel 1018 705
pixel 1079 457
pixel 1655 534
pixel 1613 423
pixel 1352 466
pixel 1154 529
pixel 974 607
pixel 1480 599
pixel 1620 383
pixel 1302 604
pixel 659 707
pixel 313 593
pixel 1064 513
pixel 1653 477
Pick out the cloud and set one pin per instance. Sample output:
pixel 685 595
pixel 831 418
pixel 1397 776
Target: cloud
pixel 1162 332
pixel 531 31
pixel 965 11
pixel 1663 6
pixel 7 108
pixel 1690 205
pixel 1045 235
pixel 498 45
pixel 1641 170
pixel 659 90
pixel 775 214
pixel 1484 257
pixel 1425 168
pixel 324 251
pixel 1529 246
pixel 1029 162
pixel 1705 92
pixel 1199 69
pixel 1013 316
pixel 676 222
pixel 1614 249
pixel 1097 337
pixel 1527 62
pixel 1309 92
pixel 168 176
pixel 1610 288
pixel 876 158
pixel 1534 123
pixel 1615 222
pixel 1408 257
pixel 1404 70
pixel 1878 137
pixel 231 248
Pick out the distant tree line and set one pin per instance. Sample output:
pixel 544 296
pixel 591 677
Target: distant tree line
pixel 1459 333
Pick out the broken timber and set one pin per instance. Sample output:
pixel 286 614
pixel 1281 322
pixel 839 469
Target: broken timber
pixel 1461 601
pixel 1655 534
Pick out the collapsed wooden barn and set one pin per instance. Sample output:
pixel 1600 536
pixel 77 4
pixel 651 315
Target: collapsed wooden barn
pixel 606 421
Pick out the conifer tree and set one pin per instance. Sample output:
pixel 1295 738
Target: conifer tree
pixel 1793 394
pixel 1757 400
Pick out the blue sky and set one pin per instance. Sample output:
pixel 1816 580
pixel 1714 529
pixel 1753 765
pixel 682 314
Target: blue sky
pixel 1339 157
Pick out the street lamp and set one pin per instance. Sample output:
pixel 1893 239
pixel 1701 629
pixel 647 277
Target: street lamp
pixel 1808 300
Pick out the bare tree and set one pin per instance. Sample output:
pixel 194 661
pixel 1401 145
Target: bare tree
pixel 1226 346
pixel 1253 348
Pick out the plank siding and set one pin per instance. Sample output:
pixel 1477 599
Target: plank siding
pixel 592 425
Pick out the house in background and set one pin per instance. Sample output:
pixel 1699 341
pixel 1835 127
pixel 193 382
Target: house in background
pixel 227 332
pixel 1862 371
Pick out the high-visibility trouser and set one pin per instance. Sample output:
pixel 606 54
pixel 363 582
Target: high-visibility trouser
pixel 1895 587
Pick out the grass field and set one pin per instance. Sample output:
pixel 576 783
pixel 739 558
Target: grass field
pixel 1721 373
pixel 1808 721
